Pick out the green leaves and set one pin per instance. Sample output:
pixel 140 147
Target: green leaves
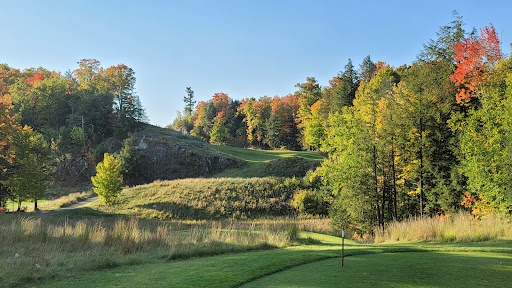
pixel 108 181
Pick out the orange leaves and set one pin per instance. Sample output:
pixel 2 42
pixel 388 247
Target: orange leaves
pixel 474 56
pixel 468 200
pixel 8 126
pixel 37 77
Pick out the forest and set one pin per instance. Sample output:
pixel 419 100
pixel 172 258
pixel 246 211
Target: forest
pixel 52 124
pixel 429 138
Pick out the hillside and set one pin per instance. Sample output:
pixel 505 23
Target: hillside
pixel 165 154
pixel 200 199
pixel 265 163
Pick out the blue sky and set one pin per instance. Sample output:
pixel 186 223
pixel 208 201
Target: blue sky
pixel 242 48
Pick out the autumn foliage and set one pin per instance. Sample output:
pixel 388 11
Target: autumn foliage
pixel 475 56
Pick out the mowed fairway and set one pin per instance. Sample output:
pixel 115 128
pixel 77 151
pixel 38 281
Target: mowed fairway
pixel 256 161
pixel 318 265
pixel 411 269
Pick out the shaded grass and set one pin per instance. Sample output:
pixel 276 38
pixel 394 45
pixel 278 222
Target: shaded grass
pixel 399 270
pixel 234 270
pixel 39 248
pixel 27 206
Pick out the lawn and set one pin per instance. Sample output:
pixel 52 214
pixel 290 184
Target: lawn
pixel 414 269
pixel 318 265
pixel 258 156
pixel 264 163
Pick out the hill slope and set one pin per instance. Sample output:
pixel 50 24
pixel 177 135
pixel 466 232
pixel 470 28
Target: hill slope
pixel 265 163
pixel 165 154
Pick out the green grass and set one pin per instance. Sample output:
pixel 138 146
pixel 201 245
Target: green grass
pixel 25 205
pixel 199 199
pixel 43 248
pixel 257 156
pixel 450 262
pixel 264 163
pixel 434 269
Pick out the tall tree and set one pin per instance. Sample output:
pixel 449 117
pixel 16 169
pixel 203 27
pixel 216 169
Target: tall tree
pixel 307 95
pixel 367 68
pixel 342 88
pixel 29 175
pixel 448 36
pixel 189 101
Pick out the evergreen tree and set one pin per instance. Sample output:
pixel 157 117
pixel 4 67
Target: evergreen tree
pixel 442 48
pixel 367 68
pixel 189 102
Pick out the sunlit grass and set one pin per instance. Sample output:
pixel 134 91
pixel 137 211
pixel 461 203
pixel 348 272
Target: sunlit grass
pixel 254 155
pixel 35 248
pixel 200 199
pixel 455 228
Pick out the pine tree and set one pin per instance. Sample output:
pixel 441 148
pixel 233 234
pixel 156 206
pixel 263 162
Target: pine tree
pixel 189 102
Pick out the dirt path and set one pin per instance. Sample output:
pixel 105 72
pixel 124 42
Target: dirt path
pixel 76 205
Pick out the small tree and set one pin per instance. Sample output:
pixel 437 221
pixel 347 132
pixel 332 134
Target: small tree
pixel 108 181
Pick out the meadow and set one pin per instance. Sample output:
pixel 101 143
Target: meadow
pixel 240 232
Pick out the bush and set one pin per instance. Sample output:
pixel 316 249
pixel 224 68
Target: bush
pixel 310 202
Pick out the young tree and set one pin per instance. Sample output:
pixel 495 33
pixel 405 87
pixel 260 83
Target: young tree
pixel 108 181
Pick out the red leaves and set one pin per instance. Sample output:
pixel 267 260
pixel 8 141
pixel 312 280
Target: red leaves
pixel 474 56
pixel 37 77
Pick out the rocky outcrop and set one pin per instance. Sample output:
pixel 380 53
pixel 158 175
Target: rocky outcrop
pixel 168 155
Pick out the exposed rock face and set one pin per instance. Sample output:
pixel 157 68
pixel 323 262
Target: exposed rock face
pixel 168 157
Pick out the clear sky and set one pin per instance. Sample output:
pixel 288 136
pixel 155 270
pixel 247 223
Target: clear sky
pixel 242 48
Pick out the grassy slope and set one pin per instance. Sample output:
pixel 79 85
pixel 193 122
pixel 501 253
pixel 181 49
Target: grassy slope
pixel 402 269
pixel 257 161
pixel 199 199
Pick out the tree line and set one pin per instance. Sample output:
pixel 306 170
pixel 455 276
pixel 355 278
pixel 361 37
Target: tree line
pixel 52 123
pixel 429 138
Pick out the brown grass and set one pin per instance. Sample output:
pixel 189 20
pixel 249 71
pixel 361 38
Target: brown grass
pixel 455 228
pixel 36 248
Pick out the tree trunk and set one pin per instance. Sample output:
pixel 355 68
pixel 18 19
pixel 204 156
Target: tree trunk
pixel 35 204
pixel 393 171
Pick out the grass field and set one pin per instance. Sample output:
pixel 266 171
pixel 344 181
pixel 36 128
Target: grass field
pixel 45 248
pixel 224 232
pixel 384 265
pixel 264 163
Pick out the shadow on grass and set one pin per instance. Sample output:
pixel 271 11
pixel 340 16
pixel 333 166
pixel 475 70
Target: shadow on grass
pixel 85 212
pixel 179 211
pixel 398 269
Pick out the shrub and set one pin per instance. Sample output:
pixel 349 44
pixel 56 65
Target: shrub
pixel 310 202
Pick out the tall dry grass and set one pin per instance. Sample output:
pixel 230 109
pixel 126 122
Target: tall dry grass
pixel 66 200
pixel 460 227
pixel 36 248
